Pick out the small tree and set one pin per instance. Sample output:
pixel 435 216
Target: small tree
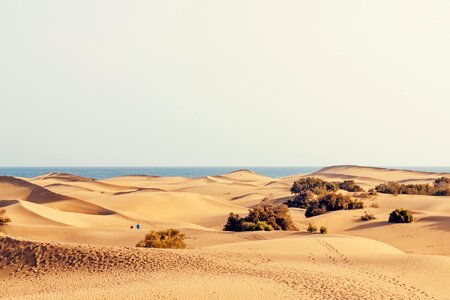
pixel 401 215
pixel 3 217
pixel 170 238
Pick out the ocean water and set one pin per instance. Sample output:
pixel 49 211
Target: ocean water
pixel 107 172
pixel 192 172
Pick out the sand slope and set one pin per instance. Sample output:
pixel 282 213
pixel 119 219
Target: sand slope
pixel 71 238
pixel 327 273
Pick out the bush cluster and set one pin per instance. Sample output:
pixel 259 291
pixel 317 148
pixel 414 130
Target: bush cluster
pixel 319 196
pixel 3 217
pixel 170 238
pixel 401 215
pixel 440 187
pixel 312 228
pixel 350 186
pixel 332 202
pixel 265 217
pixel 315 185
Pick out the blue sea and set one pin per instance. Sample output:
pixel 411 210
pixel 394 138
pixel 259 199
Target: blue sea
pixel 193 172
pixel 107 172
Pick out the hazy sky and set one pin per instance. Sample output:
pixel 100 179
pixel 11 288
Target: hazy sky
pixel 217 83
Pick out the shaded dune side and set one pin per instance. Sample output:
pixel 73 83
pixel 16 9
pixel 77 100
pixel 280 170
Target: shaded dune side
pixel 12 188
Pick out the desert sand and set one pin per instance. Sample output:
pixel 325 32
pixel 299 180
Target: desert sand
pixel 70 238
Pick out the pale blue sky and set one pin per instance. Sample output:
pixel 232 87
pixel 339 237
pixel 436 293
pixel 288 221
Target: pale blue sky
pixel 217 83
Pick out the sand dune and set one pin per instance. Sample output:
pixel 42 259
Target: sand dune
pixel 267 273
pixel 13 188
pixel 170 206
pixel 371 174
pixel 71 238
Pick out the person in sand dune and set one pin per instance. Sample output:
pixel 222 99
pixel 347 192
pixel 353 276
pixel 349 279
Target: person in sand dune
pixel 138 226
pixel 131 227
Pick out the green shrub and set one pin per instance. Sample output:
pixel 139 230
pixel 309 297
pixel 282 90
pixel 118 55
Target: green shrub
pixel 442 183
pixel 248 226
pixel 335 201
pixel 302 199
pixel 323 230
pixel 234 223
pixel 263 217
pixel 314 185
pixel 260 226
pixel 442 192
pixel 170 238
pixel 355 204
pixel 314 210
pixel 401 215
pixel 3 217
pixel 331 202
pixel 350 186
pixel 312 228
pixel 263 226
pixel 441 187
pixel 367 217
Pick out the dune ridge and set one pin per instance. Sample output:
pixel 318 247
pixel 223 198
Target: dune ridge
pixel 74 237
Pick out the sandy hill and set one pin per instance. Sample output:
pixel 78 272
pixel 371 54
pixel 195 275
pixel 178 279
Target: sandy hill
pixel 14 188
pixel 17 189
pixel 70 237
pixel 329 270
pixel 377 175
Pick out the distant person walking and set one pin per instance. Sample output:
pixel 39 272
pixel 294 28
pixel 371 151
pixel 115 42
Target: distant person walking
pixel 138 226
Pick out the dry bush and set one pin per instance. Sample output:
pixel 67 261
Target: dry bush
pixel 323 230
pixel 350 186
pixel 312 228
pixel 363 195
pixel 372 192
pixel 401 215
pixel 3 217
pixel 367 217
pixel 170 238
pixel 375 205
pixel 440 187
